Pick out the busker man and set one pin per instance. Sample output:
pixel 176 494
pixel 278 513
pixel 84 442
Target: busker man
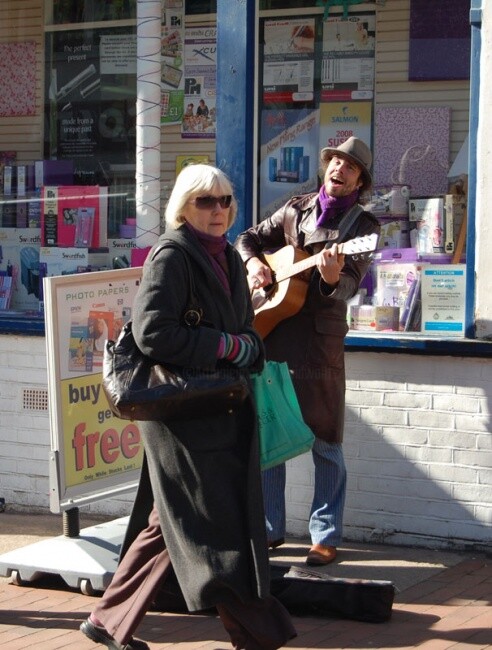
pixel 312 340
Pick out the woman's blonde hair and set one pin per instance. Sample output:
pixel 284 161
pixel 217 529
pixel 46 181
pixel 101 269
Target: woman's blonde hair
pixel 198 180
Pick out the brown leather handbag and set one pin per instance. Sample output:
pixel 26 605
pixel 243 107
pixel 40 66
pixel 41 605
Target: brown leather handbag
pixel 140 388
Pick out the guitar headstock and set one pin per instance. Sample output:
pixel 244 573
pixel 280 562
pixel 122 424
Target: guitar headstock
pixel 365 244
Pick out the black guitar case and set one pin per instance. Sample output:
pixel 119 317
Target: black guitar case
pixel 305 592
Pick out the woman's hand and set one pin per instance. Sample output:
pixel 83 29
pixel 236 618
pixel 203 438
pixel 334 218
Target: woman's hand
pixel 240 349
pixel 330 263
pixel 259 273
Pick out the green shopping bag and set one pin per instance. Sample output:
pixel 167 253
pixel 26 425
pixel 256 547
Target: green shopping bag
pixel 282 430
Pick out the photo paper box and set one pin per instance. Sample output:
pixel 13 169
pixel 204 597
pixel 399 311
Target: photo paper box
pixel 120 252
pixel 454 212
pixel 443 299
pixel 374 318
pixel 5 290
pixel 393 282
pixel 428 209
pixel 62 207
pixel 395 233
pixel 81 345
pixel 429 217
pixel 19 259
pixel 63 261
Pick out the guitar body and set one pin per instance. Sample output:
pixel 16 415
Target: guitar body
pixel 287 294
pixel 281 299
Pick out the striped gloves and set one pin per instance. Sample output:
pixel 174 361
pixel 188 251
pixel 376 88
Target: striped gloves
pixel 240 349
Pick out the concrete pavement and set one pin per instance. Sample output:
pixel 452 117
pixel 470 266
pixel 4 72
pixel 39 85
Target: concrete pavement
pixel 443 600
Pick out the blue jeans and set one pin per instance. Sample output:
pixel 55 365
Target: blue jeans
pixel 330 482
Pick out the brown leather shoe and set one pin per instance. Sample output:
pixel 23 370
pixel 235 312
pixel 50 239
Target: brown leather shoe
pixel 320 554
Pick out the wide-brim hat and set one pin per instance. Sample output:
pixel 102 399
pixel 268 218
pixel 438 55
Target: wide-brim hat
pixel 357 151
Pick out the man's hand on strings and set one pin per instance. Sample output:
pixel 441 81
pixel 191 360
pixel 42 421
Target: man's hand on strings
pixel 330 263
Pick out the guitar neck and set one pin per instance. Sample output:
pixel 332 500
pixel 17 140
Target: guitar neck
pixel 294 269
pixel 300 266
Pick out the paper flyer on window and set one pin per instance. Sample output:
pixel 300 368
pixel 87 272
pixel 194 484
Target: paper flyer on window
pixel 289 156
pixel 443 299
pixel 348 58
pixel 199 118
pixel 172 57
pixel 288 67
pixel 95 449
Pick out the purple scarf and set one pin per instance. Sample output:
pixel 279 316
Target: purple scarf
pixel 331 206
pixel 215 249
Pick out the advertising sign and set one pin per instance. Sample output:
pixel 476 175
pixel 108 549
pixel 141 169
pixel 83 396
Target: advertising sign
pixel 90 93
pixel 289 156
pixel 93 453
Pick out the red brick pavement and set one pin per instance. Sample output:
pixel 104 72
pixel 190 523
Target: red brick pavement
pixel 451 609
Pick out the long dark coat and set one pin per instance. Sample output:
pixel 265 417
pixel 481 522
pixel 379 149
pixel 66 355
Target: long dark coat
pixel 203 473
pixel 312 341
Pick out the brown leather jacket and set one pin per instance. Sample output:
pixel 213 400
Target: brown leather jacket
pixel 312 341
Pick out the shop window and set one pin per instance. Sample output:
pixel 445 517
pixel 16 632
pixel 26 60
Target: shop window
pixel 316 88
pixel 72 209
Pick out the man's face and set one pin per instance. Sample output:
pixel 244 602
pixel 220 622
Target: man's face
pixel 342 177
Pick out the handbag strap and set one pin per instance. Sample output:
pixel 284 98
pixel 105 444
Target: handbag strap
pixel 193 313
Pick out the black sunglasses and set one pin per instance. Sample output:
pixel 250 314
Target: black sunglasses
pixel 209 202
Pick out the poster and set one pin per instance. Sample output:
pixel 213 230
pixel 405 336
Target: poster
pixel 289 156
pixel 94 451
pixel 199 117
pixel 90 101
pixel 348 58
pixel 18 79
pixel 172 58
pixel 288 60
pixel 342 120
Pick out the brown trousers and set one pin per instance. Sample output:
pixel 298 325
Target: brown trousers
pixel 256 625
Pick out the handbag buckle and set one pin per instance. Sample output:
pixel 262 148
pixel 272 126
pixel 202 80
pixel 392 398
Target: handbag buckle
pixel 193 316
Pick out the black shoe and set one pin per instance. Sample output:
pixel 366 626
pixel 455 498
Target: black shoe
pixel 99 635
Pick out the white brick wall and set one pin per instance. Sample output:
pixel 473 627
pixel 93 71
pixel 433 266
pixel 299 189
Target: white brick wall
pixel 418 447
pixel 25 433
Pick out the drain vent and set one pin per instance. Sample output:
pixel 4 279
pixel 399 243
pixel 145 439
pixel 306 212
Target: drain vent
pixel 35 399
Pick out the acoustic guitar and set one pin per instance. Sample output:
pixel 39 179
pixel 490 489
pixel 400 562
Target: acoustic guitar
pixel 285 296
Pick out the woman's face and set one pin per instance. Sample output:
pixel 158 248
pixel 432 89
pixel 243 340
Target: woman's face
pixel 209 213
